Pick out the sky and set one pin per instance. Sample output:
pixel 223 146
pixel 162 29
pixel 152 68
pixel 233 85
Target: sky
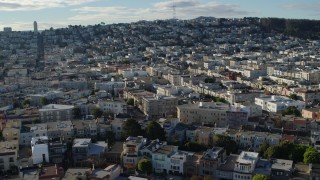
pixel 20 14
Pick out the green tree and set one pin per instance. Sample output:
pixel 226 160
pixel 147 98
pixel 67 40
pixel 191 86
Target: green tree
pixel 311 156
pixel 260 177
pixel 193 146
pixel 97 112
pixel 293 96
pixel 44 101
pixel 131 128
pixel 272 152
pixel 155 131
pixel 225 141
pixel 26 103
pixel 145 166
pixel 263 148
pixel 130 101
pixel 291 111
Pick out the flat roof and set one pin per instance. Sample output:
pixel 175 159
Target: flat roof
pixel 282 164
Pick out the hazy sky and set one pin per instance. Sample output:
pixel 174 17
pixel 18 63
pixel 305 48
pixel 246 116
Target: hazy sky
pixel 20 14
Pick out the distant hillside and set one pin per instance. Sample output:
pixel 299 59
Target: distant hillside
pixel 301 28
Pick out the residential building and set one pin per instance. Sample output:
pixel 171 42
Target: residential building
pixel 131 151
pixel 114 106
pixel 211 160
pixel 8 156
pixel 84 149
pixel 109 173
pixel 281 169
pixel 203 112
pixel 245 165
pixel 40 150
pixel 161 158
pixel 56 112
pixel 159 106
pixel 278 103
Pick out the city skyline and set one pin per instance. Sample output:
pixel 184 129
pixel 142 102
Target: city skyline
pixel 56 13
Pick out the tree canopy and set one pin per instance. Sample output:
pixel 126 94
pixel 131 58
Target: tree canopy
pixel 155 131
pixel 260 177
pixel 131 128
pixel 311 155
pixel 286 150
pixel 291 111
pixel 145 166
pixel 226 142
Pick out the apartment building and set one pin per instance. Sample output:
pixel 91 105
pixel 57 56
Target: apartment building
pixel 8 156
pixel 130 153
pixel 211 160
pixel 56 112
pixel 114 106
pixel 12 130
pixel 161 158
pixel 245 165
pixel 203 112
pixel 82 149
pixel 159 106
pixel 40 150
pixel 278 103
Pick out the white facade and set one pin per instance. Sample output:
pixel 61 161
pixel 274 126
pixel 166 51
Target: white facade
pixel 278 103
pixel 40 151
pixel 117 107
pixel 176 162
pixel 245 165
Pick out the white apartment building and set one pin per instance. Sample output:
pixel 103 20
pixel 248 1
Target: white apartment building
pixel 130 73
pixel 278 103
pixel 40 150
pixel 117 107
pixel 245 165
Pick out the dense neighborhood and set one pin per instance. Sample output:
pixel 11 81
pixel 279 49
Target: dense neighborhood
pixel 201 99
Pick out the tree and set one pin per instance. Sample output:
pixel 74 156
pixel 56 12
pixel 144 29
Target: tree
pixel 110 138
pixel 226 142
pixel 130 101
pixel 260 177
pixel 131 128
pixel 291 111
pixel 97 112
pixel 263 148
pixel 272 152
pixel 311 156
pixel 145 166
pixel 44 101
pixel 193 146
pixel 26 103
pixel 77 112
pixel 293 96
pixel 155 131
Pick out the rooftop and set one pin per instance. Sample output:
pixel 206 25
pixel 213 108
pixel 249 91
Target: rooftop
pixel 282 164
pixel 81 142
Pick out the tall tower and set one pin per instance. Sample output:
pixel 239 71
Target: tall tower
pixel 173 9
pixel 35 26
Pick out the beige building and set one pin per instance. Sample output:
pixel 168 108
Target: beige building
pixel 203 112
pixel 8 156
pixel 12 130
pixel 159 106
